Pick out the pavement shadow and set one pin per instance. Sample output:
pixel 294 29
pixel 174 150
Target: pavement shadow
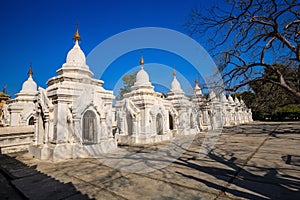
pixel 23 182
pixel 253 186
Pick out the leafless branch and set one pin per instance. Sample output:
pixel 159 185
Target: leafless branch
pixel 252 35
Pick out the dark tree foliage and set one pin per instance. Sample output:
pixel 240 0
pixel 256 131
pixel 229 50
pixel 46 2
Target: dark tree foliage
pixel 247 37
pixel 270 101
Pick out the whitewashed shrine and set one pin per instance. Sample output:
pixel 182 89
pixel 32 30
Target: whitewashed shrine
pixel 145 116
pixel 73 115
pixel 21 108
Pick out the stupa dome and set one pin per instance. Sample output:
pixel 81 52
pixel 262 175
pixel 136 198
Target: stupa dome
pixel 212 95
pixel 29 86
pixel 76 56
pixel 236 100
pixel 223 98
pixel 242 102
pixel 175 85
pixel 230 99
pixel 142 77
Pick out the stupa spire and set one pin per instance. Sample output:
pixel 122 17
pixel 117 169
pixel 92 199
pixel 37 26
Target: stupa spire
pixel 174 73
pixel 142 61
pixel 30 72
pixel 76 36
pixel 197 84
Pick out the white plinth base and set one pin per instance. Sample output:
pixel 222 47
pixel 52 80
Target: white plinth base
pixel 141 139
pixel 59 152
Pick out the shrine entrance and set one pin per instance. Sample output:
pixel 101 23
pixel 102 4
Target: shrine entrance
pixel 159 124
pixel 89 127
pixel 171 122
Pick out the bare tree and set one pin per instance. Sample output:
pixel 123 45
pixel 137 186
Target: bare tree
pixel 248 37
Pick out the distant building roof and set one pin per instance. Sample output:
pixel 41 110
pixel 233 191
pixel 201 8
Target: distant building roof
pixel 4 96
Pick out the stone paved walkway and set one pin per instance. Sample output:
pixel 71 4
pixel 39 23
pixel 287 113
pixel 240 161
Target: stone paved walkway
pixel 255 161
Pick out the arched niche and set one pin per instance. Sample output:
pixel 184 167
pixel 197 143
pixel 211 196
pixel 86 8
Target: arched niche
pixel 159 124
pixel 191 121
pixel 30 120
pixel 171 122
pixel 89 127
pixel 129 122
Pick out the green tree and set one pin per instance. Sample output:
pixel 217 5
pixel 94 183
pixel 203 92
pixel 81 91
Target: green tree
pixel 128 81
pixel 268 100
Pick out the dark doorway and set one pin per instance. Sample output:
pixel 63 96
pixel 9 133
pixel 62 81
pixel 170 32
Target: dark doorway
pixel 159 124
pixel 171 123
pixel 89 128
pixel 31 121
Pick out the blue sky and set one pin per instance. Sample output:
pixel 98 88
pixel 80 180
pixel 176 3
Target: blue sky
pixel 41 32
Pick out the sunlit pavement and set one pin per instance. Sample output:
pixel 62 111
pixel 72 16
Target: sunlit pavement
pixel 254 161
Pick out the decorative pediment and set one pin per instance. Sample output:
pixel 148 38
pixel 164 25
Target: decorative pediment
pixel 28 111
pixel 84 100
pixel 158 108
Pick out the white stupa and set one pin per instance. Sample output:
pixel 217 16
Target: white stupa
pixel 22 107
pixel 143 115
pixel 76 118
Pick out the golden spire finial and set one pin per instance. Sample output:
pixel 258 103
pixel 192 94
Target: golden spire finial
pixel 174 72
pixel 76 36
pixel 197 80
pixel 141 59
pixel 30 72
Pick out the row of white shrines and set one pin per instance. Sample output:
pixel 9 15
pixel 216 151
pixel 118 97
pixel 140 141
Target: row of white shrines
pixel 74 116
